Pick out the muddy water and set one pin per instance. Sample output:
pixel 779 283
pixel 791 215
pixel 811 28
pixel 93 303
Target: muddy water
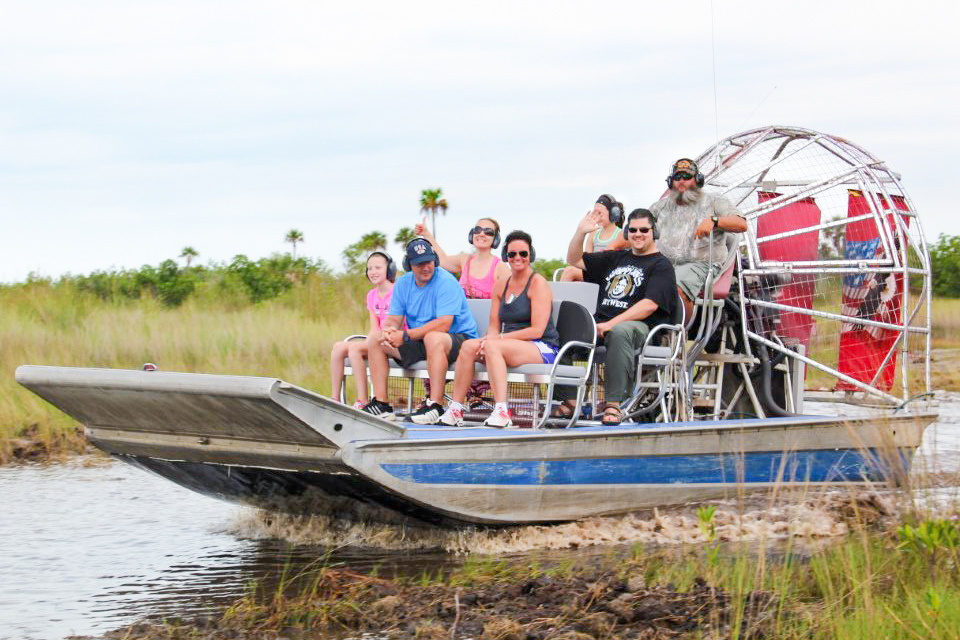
pixel 88 546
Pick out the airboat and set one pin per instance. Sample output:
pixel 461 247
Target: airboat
pixel 826 299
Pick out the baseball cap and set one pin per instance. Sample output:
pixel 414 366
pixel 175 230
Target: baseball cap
pixel 419 250
pixel 685 165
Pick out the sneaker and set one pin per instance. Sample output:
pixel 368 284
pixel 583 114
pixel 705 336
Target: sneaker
pixel 499 418
pixel 358 405
pixel 452 418
pixel 429 413
pixel 379 409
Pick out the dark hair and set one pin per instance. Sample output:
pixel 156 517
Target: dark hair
pixel 641 213
pixel 518 235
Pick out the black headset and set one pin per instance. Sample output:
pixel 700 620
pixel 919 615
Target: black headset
pixel 698 176
pixel 406 260
pixel 642 213
pixel 615 208
pixel 391 265
pixel 496 237
pixel 519 235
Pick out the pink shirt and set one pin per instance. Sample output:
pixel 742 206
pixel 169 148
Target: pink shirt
pixel 479 288
pixel 379 306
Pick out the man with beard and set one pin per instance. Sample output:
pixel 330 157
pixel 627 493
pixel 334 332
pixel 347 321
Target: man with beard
pixel 687 216
pixel 636 293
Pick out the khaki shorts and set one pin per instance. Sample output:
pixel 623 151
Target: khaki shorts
pixel 690 278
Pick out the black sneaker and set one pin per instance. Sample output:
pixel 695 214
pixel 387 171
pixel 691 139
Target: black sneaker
pixel 429 413
pixel 379 409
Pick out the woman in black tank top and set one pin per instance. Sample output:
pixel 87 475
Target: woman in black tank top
pixel 521 331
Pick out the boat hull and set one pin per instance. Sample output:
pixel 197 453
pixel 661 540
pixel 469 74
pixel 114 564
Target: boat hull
pixel 263 442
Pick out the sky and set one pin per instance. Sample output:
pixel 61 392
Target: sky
pixel 132 129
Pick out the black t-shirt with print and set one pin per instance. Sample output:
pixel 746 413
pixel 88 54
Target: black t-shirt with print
pixel 626 279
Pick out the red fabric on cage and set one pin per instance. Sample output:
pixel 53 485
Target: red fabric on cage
pixel 794 327
pixel 870 296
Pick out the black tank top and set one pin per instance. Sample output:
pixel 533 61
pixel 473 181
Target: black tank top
pixel 516 315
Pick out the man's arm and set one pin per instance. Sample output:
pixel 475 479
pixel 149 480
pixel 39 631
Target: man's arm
pixel 728 219
pixel 442 323
pixel 575 248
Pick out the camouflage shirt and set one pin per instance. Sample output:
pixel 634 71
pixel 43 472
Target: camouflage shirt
pixel 677 222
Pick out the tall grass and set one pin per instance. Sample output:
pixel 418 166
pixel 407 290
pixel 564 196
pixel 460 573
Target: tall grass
pixel 288 337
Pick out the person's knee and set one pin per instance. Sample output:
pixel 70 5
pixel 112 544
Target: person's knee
pixel 470 348
pixel 357 348
pixel 437 341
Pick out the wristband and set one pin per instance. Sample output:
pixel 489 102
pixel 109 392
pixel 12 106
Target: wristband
pixel 406 336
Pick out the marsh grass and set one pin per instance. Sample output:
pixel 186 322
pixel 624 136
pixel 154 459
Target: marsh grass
pixel 288 337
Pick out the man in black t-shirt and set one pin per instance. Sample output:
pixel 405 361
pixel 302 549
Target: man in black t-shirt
pixel 637 292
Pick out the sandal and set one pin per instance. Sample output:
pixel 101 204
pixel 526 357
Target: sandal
pixel 611 415
pixel 563 411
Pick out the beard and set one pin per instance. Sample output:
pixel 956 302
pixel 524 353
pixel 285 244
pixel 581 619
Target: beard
pixel 689 196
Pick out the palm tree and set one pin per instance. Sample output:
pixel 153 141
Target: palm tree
pixel 293 237
pixel 404 235
pixel 189 253
pixel 430 201
pixel 373 241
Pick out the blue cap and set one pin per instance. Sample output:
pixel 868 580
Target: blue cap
pixel 419 250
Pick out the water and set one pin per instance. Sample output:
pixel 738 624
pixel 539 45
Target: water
pixel 92 545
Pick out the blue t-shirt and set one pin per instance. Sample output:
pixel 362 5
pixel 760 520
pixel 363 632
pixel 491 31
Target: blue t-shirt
pixel 442 296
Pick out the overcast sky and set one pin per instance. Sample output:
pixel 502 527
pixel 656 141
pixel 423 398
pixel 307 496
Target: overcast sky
pixel 129 129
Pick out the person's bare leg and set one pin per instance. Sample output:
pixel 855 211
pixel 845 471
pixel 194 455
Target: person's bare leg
pixel 463 370
pixel 379 368
pixel 507 352
pixel 437 345
pixel 687 306
pixel 356 352
pixel 337 354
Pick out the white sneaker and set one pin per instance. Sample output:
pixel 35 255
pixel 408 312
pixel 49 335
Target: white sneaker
pixel 429 413
pixel 499 418
pixel 358 405
pixel 452 417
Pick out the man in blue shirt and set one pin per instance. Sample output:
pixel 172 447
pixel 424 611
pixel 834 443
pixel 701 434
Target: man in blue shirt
pixel 438 321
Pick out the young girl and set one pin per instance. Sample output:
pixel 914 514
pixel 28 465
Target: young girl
pixel 610 213
pixel 381 272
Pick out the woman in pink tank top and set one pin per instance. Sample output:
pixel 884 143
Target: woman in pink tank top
pixel 479 270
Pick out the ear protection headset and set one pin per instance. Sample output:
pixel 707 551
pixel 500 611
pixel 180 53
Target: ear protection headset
pixel 615 208
pixel 697 175
pixel 406 260
pixel 391 265
pixel 519 235
pixel 496 237
pixel 641 213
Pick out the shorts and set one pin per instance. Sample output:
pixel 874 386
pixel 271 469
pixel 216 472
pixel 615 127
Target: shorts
pixel 691 277
pixel 547 351
pixel 413 351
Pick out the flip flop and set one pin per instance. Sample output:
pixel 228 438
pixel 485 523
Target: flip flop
pixel 562 411
pixel 611 415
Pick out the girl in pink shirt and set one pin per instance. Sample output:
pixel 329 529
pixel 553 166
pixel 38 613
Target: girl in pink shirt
pixel 381 273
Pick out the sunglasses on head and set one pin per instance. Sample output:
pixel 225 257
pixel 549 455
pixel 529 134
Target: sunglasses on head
pixel 682 176
pixel 638 229
pixel 514 254
pixel 487 231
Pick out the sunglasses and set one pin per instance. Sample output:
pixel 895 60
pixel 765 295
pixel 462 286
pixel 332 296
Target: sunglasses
pixel 487 231
pixel 639 229
pixel 682 176
pixel 513 254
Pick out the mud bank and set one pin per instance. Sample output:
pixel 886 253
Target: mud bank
pixel 642 590
pixel 590 603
